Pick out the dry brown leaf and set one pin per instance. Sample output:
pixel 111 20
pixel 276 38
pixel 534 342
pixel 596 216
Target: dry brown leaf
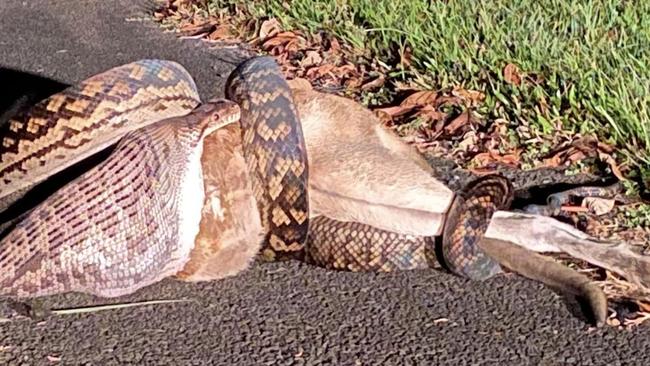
pixel 446 100
pixel 644 306
pixel 475 97
pixel 387 120
pixel 469 140
pixel 431 114
pixel 512 74
pixel 612 165
pixel 269 28
pixel 346 69
pixel 375 83
pixel 335 46
pixel 493 156
pixel 574 209
pixel 319 71
pixel 552 162
pixel 605 147
pixel 420 98
pixel 396 111
pixel 280 39
pixel 191 29
pixel 598 206
pixel 312 58
pixel 461 120
pixel 406 58
pixel 574 155
pixel 222 32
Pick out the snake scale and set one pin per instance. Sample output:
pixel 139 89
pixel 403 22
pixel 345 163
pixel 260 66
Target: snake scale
pixel 132 219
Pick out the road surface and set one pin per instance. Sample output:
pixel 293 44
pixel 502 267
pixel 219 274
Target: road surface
pixel 281 313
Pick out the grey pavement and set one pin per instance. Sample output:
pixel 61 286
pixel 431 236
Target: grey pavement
pixel 280 313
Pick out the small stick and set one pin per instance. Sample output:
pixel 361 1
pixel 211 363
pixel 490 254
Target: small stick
pixel 90 309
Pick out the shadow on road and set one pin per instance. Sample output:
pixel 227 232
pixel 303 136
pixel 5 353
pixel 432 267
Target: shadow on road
pixel 20 91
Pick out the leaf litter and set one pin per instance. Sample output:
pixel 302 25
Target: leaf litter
pixel 449 122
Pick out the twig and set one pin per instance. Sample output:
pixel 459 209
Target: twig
pixel 90 309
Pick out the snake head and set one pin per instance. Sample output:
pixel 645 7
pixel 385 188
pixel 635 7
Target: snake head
pixel 216 113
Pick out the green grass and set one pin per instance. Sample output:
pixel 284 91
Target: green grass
pixel 589 59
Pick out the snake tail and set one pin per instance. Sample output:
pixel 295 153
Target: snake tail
pixel 467 220
pixel 274 148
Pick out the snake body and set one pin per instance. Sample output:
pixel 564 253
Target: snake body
pixel 126 223
pixel 86 118
pixel 132 220
pixel 274 147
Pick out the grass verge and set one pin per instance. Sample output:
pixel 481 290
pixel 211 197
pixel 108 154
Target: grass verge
pixel 553 66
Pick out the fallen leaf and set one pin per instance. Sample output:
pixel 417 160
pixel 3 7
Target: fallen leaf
pixel 493 156
pixel 469 140
pixel 420 98
pixel 312 58
pixel 431 114
pixel 269 28
pixel 396 111
pixel 552 162
pixel 406 57
pixel 319 71
pixel 335 46
pixel 644 306
pixel 346 69
pixel 458 122
pixel 196 29
pixel 574 155
pixel 574 209
pixel 605 147
pixel 475 97
pixel 447 100
pixel 353 83
pixel 612 165
pixel 375 83
pixel 512 74
pixel 222 32
pixel 278 40
pixel 599 206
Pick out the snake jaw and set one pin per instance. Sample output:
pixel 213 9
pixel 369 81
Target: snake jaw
pixel 218 112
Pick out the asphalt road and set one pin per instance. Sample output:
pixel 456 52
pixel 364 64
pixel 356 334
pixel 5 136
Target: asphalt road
pixel 285 313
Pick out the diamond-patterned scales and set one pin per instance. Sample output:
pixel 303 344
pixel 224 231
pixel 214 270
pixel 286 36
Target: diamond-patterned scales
pixel 273 138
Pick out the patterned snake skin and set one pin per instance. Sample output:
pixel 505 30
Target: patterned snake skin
pixel 274 147
pixel 86 118
pixel 131 220
pixel 359 247
pixel 125 224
